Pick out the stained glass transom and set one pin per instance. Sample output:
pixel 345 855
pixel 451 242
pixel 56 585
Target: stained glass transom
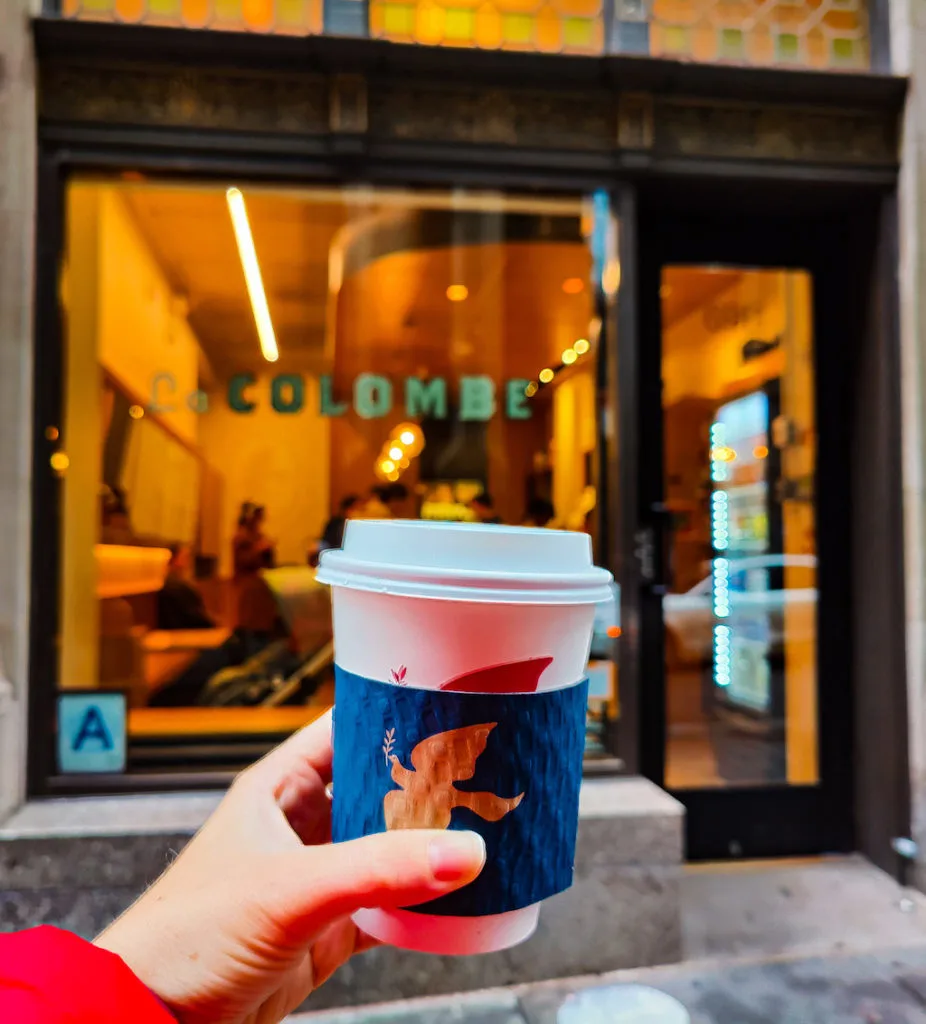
pixel 284 17
pixel 796 33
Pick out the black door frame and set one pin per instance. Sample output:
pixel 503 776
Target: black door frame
pixel 851 317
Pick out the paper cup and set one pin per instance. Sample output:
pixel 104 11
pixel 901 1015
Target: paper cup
pixel 431 602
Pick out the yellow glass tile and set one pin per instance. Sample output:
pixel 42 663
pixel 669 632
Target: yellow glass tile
pixel 97 6
pixel 578 33
pixel 844 51
pixel 518 28
pixel 293 14
pixel 164 9
pixel 731 44
pixel 677 39
pixel 398 19
pixel 787 47
pixel 228 10
pixel 459 24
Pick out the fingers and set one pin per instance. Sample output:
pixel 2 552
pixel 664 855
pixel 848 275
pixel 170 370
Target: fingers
pixel 310 748
pixel 392 869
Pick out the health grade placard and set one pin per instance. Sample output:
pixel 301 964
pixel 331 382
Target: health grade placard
pixel 505 765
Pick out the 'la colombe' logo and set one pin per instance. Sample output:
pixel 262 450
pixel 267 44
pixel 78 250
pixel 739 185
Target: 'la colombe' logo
pixel 428 795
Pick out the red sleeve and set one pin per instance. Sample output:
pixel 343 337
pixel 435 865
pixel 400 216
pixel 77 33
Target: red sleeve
pixel 49 976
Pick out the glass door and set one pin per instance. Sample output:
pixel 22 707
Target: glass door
pixel 745 714
pixel 739 454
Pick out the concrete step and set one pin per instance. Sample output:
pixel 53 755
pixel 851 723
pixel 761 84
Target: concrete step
pixel 78 863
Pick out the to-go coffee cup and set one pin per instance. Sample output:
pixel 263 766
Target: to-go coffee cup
pixel 461 652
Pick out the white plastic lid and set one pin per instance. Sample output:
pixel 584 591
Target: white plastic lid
pixel 466 562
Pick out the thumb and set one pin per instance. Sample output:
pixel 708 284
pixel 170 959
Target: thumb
pixel 390 869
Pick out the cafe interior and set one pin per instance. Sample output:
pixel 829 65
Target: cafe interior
pixel 247 367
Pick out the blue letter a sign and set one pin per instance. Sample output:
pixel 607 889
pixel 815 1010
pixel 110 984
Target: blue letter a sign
pixel 91 732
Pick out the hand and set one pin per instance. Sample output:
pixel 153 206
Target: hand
pixel 254 913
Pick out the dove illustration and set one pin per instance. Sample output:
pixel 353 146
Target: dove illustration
pixel 428 794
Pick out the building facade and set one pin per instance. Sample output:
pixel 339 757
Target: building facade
pixel 647 270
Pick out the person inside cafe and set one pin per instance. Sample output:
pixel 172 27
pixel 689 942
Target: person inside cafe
pixel 333 534
pixel 179 604
pixel 484 509
pixel 540 512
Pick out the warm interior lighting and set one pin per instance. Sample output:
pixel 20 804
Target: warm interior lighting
pixel 760 452
pixel 396 454
pixel 531 389
pixel 573 285
pixel 248 254
pixel 136 412
pixel 569 356
pixel 393 476
pixel 388 466
pixel 410 437
pixel 51 433
pixel 546 375
pixel 611 277
pixel 457 292
pixel 59 462
pixel 581 346
pixel 614 632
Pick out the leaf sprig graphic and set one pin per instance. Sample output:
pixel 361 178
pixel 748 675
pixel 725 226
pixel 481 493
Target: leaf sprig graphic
pixel 398 675
pixel 388 744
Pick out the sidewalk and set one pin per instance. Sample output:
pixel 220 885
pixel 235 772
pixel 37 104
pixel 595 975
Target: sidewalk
pixel 887 987
pixel 825 941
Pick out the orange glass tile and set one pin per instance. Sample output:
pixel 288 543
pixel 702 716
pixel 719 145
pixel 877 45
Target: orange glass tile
pixel 196 13
pixel 489 32
pixel 429 23
pixel 128 10
pixel 258 14
pixel 549 29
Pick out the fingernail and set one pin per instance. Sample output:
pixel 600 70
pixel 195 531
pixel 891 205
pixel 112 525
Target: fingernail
pixel 456 854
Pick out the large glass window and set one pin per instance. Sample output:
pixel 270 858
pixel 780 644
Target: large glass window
pixel 247 369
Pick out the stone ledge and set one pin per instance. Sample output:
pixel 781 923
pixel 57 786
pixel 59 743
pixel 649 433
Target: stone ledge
pixel 78 863
pixel 55 844
pixel 83 816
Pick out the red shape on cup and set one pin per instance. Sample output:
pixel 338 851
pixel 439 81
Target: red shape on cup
pixel 514 677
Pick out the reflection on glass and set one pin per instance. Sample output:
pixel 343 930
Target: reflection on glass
pixel 422 371
pixel 740 452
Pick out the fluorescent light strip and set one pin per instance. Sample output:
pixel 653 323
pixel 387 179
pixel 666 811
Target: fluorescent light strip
pixel 248 254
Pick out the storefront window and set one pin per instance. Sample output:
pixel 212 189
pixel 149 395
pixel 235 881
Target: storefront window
pixel 246 369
